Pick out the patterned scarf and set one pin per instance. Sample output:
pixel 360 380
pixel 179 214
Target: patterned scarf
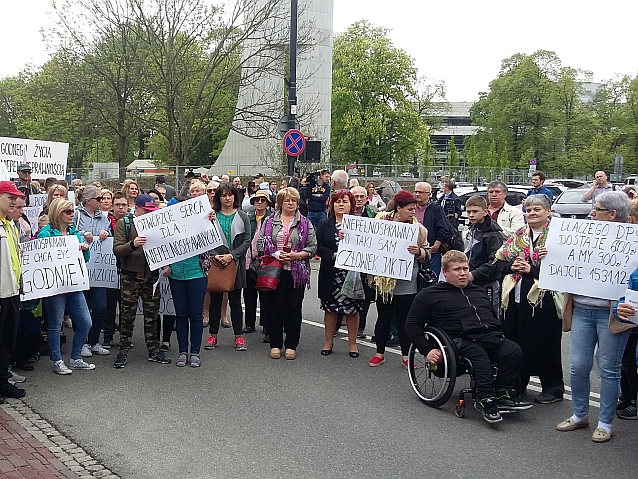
pixel 522 243
pixel 300 268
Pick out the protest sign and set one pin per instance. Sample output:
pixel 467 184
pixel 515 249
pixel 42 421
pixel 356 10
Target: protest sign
pixel 38 200
pixel 102 266
pixel 33 213
pixel 591 258
pixel 46 158
pixel 631 297
pixel 166 305
pixel 177 232
pixel 377 247
pixel 51 266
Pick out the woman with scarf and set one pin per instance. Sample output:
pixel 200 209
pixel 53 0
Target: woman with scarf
pixel 289 237
pixel 396 296
pixel 531 317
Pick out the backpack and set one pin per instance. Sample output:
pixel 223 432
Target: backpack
pixel 454 239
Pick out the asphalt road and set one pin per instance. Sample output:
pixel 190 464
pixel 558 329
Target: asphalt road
pixel 243 414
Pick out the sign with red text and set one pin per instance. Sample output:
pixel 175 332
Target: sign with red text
pixel 590 258
pixel 178 232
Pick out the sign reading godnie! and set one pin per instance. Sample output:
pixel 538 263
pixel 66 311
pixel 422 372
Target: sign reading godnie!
pixel 177 232
pixel 377 247
pixel 590 258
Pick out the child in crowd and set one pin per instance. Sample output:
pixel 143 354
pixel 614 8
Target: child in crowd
pixel 483 240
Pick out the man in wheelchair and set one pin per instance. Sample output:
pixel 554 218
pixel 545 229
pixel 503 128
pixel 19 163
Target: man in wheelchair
pixel 464 311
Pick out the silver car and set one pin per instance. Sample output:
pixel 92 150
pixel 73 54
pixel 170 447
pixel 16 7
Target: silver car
pixel 569 204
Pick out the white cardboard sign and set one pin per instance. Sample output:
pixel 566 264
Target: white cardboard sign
pixel 378 247
pixel 102 266
pixel 46 158
pixel 177 232
pixel 52 266
pixel 590 258
pixel 631 297
pixel 166 305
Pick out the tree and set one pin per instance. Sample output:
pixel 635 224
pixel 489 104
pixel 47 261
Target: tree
pixel 374 118
pixel 452 155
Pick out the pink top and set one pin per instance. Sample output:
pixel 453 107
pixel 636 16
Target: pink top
pixel 283 239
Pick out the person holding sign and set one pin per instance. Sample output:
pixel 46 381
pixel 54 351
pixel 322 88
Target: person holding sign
pixel 136 281
pixel 10 284
pixel 289 237
pixel 396 296
pixel 331 279
pixel 591 324
pixel 531 318
pixel 61 224
pixel 93 225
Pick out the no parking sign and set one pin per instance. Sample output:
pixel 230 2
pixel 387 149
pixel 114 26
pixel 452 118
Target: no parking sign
pixel 294 143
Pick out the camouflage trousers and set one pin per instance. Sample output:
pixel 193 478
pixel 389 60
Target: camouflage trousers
pixel 132 290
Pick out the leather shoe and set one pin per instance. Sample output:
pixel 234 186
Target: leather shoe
pixel 326 352
pixel 8 390
pixel 248 330
pixel 570 425
pixel 266 339
pixel 600 435
pixel 354 354
pixel 275 353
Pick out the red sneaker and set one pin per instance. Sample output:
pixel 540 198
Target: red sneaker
pixel 211 342
pixel 376 361
pixel 240 344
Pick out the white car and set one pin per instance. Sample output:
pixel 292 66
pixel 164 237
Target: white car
pixel 406 174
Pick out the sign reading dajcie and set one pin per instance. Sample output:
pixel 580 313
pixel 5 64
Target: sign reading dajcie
pixel 378 247
pixel 52 266
pixel 591 258
pixel 177 232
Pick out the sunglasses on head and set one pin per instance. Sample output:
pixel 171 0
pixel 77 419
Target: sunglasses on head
pixel 68 212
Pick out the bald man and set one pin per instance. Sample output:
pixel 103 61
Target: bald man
pixel 601 185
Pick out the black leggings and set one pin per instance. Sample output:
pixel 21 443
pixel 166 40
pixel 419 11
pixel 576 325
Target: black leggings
pixel 215 311
pixel 629 375
pixel 165 326
pixel 400 305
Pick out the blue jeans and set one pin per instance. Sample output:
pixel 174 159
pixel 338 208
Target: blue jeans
pixel 96 301
pixel 316 217
pixel 591 326
pixel 435 263
pixel 188 298
pixel 75 304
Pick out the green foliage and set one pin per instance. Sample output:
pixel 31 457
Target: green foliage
pixel 453 154
pixel 374 119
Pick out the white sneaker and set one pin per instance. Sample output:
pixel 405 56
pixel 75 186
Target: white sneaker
pixel 86 351
pixel 16 378
pixel 80 364
pixel 99 350
pixel 60 368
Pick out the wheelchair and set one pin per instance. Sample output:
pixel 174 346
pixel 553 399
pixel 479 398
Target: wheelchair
pixel 434 383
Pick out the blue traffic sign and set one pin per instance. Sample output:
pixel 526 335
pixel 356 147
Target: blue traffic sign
pixel 294 143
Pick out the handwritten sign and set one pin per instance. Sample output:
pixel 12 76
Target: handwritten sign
pixel 102 266
pixel 166 305
pixel 38 200
pixel 378 247
pixel 33 214
pixel 46 158
pixel 178 232
pixel 52 266
pixel 591 258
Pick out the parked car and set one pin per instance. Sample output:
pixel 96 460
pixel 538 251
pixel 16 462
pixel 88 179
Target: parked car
pixel 406 174
pixel 569 182
pixel 515 197
pixel 569 204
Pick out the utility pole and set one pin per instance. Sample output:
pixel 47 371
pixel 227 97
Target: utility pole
pixel 292 81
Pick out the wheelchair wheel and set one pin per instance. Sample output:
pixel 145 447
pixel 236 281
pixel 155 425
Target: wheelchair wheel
pixel 433 383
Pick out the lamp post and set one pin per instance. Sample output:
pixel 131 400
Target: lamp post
pixel 292 81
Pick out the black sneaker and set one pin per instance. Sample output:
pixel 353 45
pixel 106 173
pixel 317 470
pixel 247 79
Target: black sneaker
pixel 509 401
pixel 393 342
pixel 546 398
pixel 107 344
pixel 630 412
pixel 158 357
pixel 622 403
pixel 361 334
pixel 120 361
pixel 248 330
pixel 488 408
pixel 266 338
pixel 9 390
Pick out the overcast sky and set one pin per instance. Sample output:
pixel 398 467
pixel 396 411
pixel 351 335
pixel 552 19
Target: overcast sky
pixel 461 42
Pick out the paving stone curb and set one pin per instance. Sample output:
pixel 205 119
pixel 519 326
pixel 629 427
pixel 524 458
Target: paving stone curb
pixel 69 453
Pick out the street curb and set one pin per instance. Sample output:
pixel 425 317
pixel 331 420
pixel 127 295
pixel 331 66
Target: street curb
pixel 69 453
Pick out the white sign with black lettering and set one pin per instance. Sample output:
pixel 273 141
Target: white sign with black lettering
pixel 590 258
pixel 33 214
pixel 46 158
pixel 103 265
pixel 178 232
pixel 52 266
pixel 378 247
pixel 166 305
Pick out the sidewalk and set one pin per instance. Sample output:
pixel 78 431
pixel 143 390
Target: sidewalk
pixel 31 448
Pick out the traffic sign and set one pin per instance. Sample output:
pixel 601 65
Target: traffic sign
pixel 294 143
pixel 283 125
pixel 532 161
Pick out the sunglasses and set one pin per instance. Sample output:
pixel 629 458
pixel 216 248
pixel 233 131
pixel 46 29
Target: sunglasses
pixel 210 191
pixel 68 212
pixel 259 200
pixel 98 198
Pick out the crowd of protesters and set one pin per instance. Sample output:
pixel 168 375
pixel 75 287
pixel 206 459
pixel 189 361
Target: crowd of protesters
pixel 301 221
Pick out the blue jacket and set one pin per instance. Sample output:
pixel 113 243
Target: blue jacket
pixel 435 222
pixel 541 191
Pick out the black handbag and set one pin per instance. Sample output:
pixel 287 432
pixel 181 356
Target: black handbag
pixel 426 276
